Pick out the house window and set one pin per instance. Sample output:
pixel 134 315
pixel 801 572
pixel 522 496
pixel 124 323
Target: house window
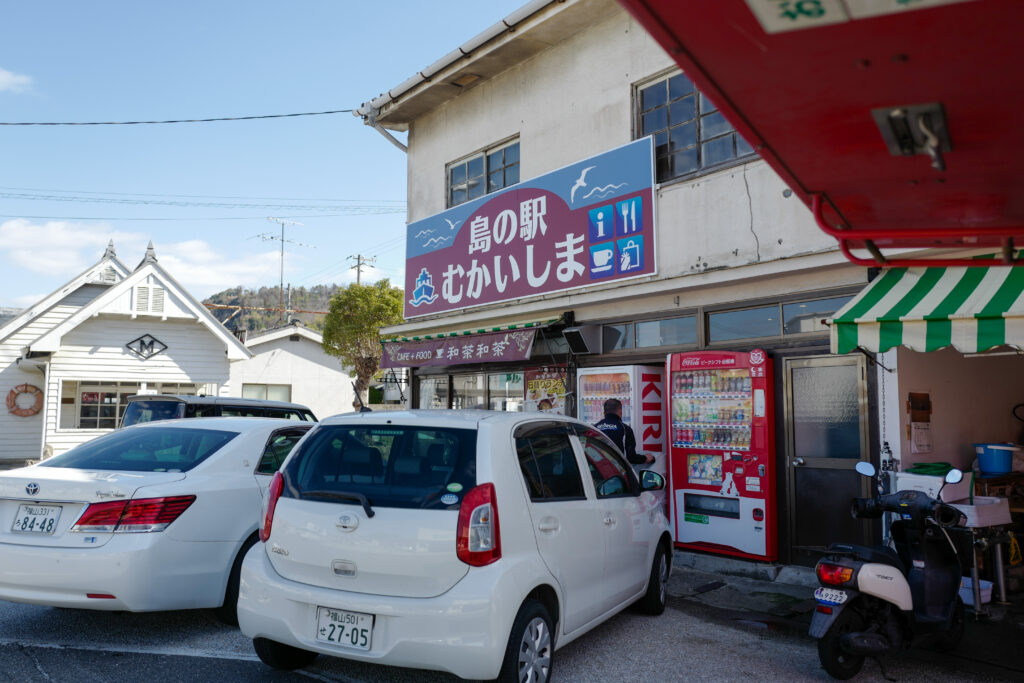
pixel 149 299
pixel 100 405
pixel 268 392
pixel 690 134
pixel 646 333
pixel 482 173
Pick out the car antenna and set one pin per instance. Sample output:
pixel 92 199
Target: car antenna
pixel 362 406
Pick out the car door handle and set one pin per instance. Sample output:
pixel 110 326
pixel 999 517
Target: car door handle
pixel 609 520
pixel 548 524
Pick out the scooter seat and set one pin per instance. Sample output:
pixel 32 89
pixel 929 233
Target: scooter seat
pixel 868 553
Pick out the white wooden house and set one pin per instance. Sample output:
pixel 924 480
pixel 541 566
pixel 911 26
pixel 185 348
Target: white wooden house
pixel 289 364
pixel 68 363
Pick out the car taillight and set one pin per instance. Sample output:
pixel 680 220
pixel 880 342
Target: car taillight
pixel 276 486
pixel 834 574
pixel 478 541
pixel 133 516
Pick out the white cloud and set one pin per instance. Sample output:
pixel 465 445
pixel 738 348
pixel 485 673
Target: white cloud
pixel 63 249
pixel 12 82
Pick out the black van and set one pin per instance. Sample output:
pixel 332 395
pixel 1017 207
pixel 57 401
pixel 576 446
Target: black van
pixel 154 407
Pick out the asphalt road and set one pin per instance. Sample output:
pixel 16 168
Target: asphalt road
pixel 690 642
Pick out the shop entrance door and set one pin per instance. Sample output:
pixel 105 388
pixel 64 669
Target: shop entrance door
pixel 826 435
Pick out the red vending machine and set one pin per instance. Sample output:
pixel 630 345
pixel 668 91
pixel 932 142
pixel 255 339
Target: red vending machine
pixel 722 453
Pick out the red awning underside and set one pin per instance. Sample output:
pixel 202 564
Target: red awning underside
pixel 805 97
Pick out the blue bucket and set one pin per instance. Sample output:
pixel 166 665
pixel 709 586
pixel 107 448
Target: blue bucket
pixel 995 458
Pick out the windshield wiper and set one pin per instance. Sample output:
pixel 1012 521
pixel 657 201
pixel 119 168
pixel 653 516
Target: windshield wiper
pixel 344 495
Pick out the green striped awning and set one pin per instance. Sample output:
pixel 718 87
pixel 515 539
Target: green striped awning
pixel 926 309
pixel 481 330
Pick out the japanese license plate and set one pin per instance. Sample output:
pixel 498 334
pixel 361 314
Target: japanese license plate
pixel 830 596
pixel 348 629
pixel 36 519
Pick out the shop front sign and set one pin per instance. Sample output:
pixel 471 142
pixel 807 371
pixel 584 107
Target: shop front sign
pixel 585 224
pixel 490 347
pixel 546 389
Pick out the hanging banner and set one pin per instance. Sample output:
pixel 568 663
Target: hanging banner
pixel 545 390
pixel 490 347
pixel 585 224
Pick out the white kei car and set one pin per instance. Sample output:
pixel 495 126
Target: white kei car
pixel 472 542
pixel 152 517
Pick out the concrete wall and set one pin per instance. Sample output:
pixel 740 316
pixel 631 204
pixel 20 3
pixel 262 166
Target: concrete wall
pixel 971 398
pixel 316 378
pixel 575 100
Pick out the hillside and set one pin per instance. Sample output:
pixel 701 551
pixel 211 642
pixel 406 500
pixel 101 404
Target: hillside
pixel 316 298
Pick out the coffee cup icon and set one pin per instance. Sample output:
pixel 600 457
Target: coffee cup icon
pixel 602 260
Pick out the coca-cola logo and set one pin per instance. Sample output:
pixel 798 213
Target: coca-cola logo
pixel 690 361
pixel 757 357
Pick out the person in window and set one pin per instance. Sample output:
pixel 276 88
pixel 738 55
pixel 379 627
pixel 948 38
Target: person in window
pixel 621 433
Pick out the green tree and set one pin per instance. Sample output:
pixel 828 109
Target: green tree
pixel 352 328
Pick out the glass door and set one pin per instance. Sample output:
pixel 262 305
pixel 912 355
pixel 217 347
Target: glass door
pixel 826 423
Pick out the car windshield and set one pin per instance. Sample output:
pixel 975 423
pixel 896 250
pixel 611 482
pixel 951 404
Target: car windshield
pixel 149 449
pixel 392 466
pixel 138 412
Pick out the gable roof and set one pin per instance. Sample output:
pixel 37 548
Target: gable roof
pixel 93 275
pixel 51 340
pixel 282 332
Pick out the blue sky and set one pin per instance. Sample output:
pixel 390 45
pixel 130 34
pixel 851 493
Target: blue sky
pixel 66 190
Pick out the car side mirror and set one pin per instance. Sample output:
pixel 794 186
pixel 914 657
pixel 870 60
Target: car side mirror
pixel 865 468
pixel 651 481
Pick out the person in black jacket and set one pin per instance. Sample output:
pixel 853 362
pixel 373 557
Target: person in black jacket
pixel 621 433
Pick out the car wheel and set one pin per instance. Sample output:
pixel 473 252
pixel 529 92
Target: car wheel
pixel 281 656
pixel 653 601
pixel 227 613
pixel 530 646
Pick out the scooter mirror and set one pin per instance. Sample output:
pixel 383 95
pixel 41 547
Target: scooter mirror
pixel 865 468
pixel 954 477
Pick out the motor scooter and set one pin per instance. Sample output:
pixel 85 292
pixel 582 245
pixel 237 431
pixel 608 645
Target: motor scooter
pixel 876 599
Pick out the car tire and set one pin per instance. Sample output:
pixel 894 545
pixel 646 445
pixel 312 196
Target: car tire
pixel 654 600
pixel 281 656
pixel 530 646
pixel 227 613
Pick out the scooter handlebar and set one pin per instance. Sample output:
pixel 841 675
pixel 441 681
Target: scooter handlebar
pixel 916 504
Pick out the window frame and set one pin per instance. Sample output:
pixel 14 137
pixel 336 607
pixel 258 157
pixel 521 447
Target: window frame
pixel 286 432
pixel 484 155
pixel 526 431
pixel 120 388
pixel 584 434
pixel 699 116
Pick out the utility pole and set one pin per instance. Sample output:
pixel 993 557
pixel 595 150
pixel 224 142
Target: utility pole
pixel 361 262
pixel 267 236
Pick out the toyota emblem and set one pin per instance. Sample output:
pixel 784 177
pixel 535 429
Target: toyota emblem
pixel 347 522
pixel 32 489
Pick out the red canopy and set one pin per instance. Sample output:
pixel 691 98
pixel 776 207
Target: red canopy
pixel 828 90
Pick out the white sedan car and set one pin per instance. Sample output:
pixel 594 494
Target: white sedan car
pixel 152 517
pixel 471 542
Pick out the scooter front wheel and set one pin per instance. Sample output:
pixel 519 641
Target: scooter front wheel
pixel 837 662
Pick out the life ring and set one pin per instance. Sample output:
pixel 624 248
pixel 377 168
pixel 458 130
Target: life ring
pixel 16 407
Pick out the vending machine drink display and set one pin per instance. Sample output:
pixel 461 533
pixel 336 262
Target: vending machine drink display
pixel 641 388
pixel 721 457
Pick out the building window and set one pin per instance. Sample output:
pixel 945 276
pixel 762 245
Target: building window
pixel 268 392
pixel 807 316
pixel 647 333
pixel 149 299
pixel 690 134
pixel 100 405
pixel 762 321
pixel 482 173
pixel 505 391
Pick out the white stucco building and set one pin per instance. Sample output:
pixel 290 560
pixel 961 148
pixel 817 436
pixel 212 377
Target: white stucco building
pixel 739 263
pixel 289 364
pixel 68 362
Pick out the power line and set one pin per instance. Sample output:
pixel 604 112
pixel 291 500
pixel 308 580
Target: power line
pixel 351 209
pixel 192 219
pixel 202 196
pixel 139 123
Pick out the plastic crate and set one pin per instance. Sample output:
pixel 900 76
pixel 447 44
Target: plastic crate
pixel 967 591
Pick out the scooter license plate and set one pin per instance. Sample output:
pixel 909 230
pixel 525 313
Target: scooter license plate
pixel 830 596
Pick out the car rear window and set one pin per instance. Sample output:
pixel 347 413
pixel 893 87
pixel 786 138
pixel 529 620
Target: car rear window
pixel 393 466
pixel 138 412
pixel 149 449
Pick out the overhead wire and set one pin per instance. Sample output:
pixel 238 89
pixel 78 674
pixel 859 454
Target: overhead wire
pixel 203 196
pixel 140 123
